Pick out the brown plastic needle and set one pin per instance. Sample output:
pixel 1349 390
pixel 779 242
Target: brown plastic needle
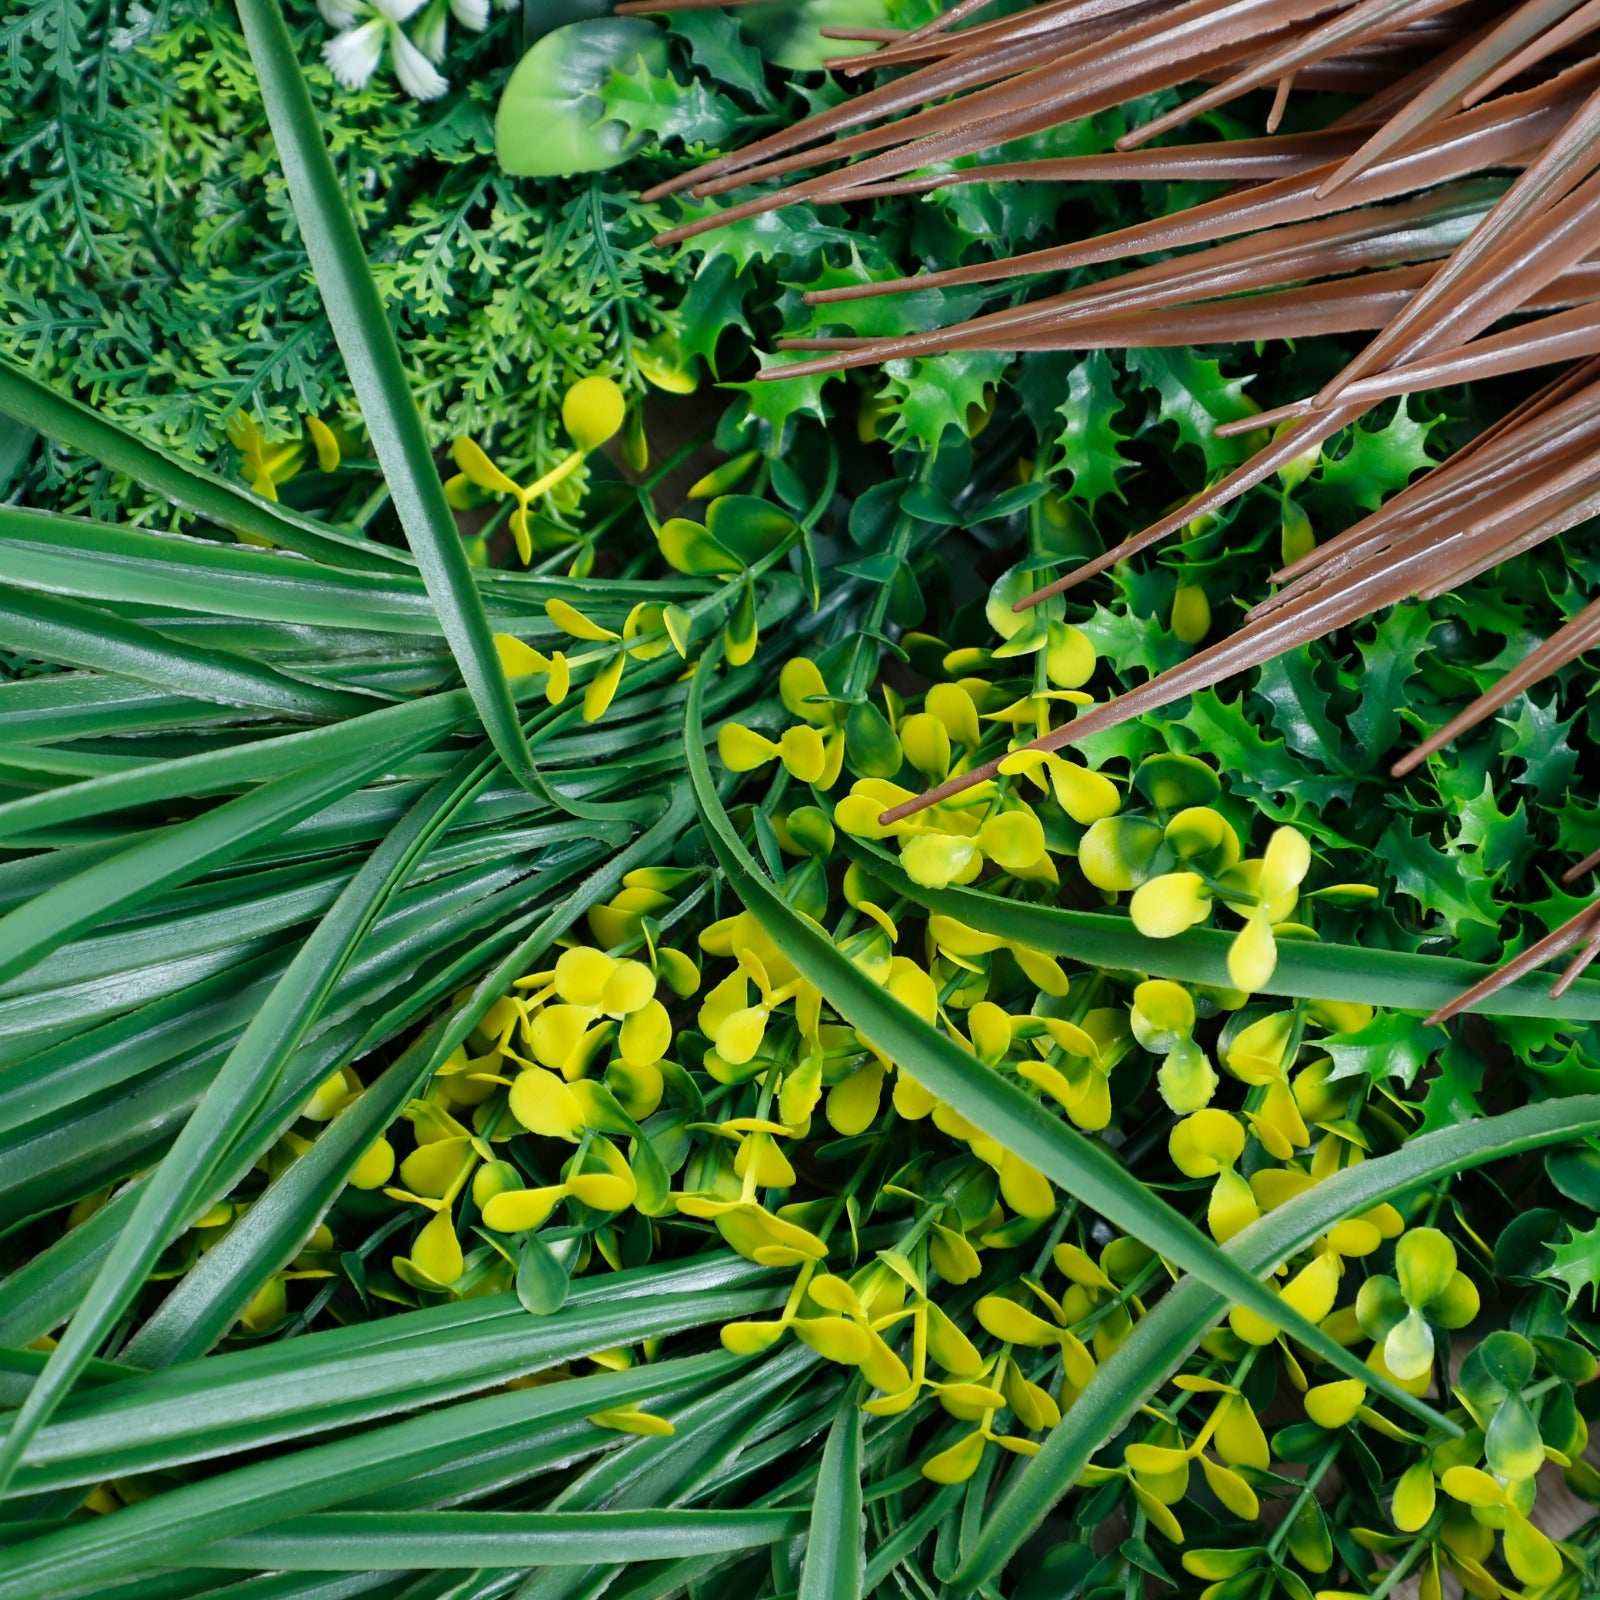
pixel 1551 945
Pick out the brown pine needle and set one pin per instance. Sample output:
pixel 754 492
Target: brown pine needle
pixel 1577 928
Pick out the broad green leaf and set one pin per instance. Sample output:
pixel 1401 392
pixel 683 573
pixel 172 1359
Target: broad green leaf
pixel 551 122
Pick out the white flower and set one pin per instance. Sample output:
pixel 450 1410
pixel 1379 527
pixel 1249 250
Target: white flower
pixel 473 14
pixel 417 74
pixel 429 34
pixel 353 56
pixel 340 13
pixel 398 10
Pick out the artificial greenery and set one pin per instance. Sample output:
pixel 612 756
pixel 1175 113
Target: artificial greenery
pixel 486 1105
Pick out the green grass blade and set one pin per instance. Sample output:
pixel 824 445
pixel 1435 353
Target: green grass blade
pixel 211 1295
pixel 364 1541
pixel 77 635
pixel 1083 1167
pixel 182 852
pixel 215 498
pixel 365 339
pixel 316 1383
pixel 241 1084
pixel 1305 970
pixel 88 560
pixel 183 1520
pixel 835 1566
pixel 248 762
pixel 1164 1337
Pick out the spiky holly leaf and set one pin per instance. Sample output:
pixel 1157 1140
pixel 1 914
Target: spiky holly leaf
pixel 1300 710
pixel 1393 1045
pixel 1539 741
pixel 1438 883
pixel 1251 764
pixel 1194 398
pixel 1577 827
pixel 1089 440
pixel 876 316
pixel 923 398
pixel 1123 637
pixel 1501 841
pixel 714 304
pixel 791 234
pixel 716 43
pixel 1577 1262
pixel 1389 662
pixel 1376 461
pixel 1452 1096
pixel 655 105
pixel 775 400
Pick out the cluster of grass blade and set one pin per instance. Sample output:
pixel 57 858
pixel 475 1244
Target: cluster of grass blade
pixel 1307 239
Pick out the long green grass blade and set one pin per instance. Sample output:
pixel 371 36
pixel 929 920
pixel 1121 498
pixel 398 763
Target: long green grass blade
pixel 182 852
pixel 1164 1337
pixel 215 498
pixel 77 635
pixel 173 1524
pixel 361 1541
pixel 365 339
pixel 89 560
pixel 1305 969
pixel 236 765
pixel 241 1084
pixel 212 1294
pixel 835 1565
pixel 1082 1167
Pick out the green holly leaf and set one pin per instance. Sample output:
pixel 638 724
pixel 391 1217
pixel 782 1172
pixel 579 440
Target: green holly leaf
pixel 775 400
pixel 1089 440
pixel 1438 883
pixel 1389 662
pixel 1251 763
pixel 1577 827
pixel 716 44
pixel 714 304
pixel 1300 710
pixel 1577 1262
pixel 651 104
pixel 1393 1045
pixel 1377 461
pixel 1501 841
pixel 789 234
pixel 1452 1096
pixel 1194 398
pixel 1127 639
pixel 1539 741
pixel 924 398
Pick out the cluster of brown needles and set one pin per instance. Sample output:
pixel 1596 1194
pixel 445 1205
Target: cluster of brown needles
pixel 1462 189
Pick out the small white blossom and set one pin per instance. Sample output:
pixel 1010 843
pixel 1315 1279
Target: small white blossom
pixel 397 10
pixel 431 32
pixel 473 14
pixel 417 74
pixel 353 56
pixel 340 13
